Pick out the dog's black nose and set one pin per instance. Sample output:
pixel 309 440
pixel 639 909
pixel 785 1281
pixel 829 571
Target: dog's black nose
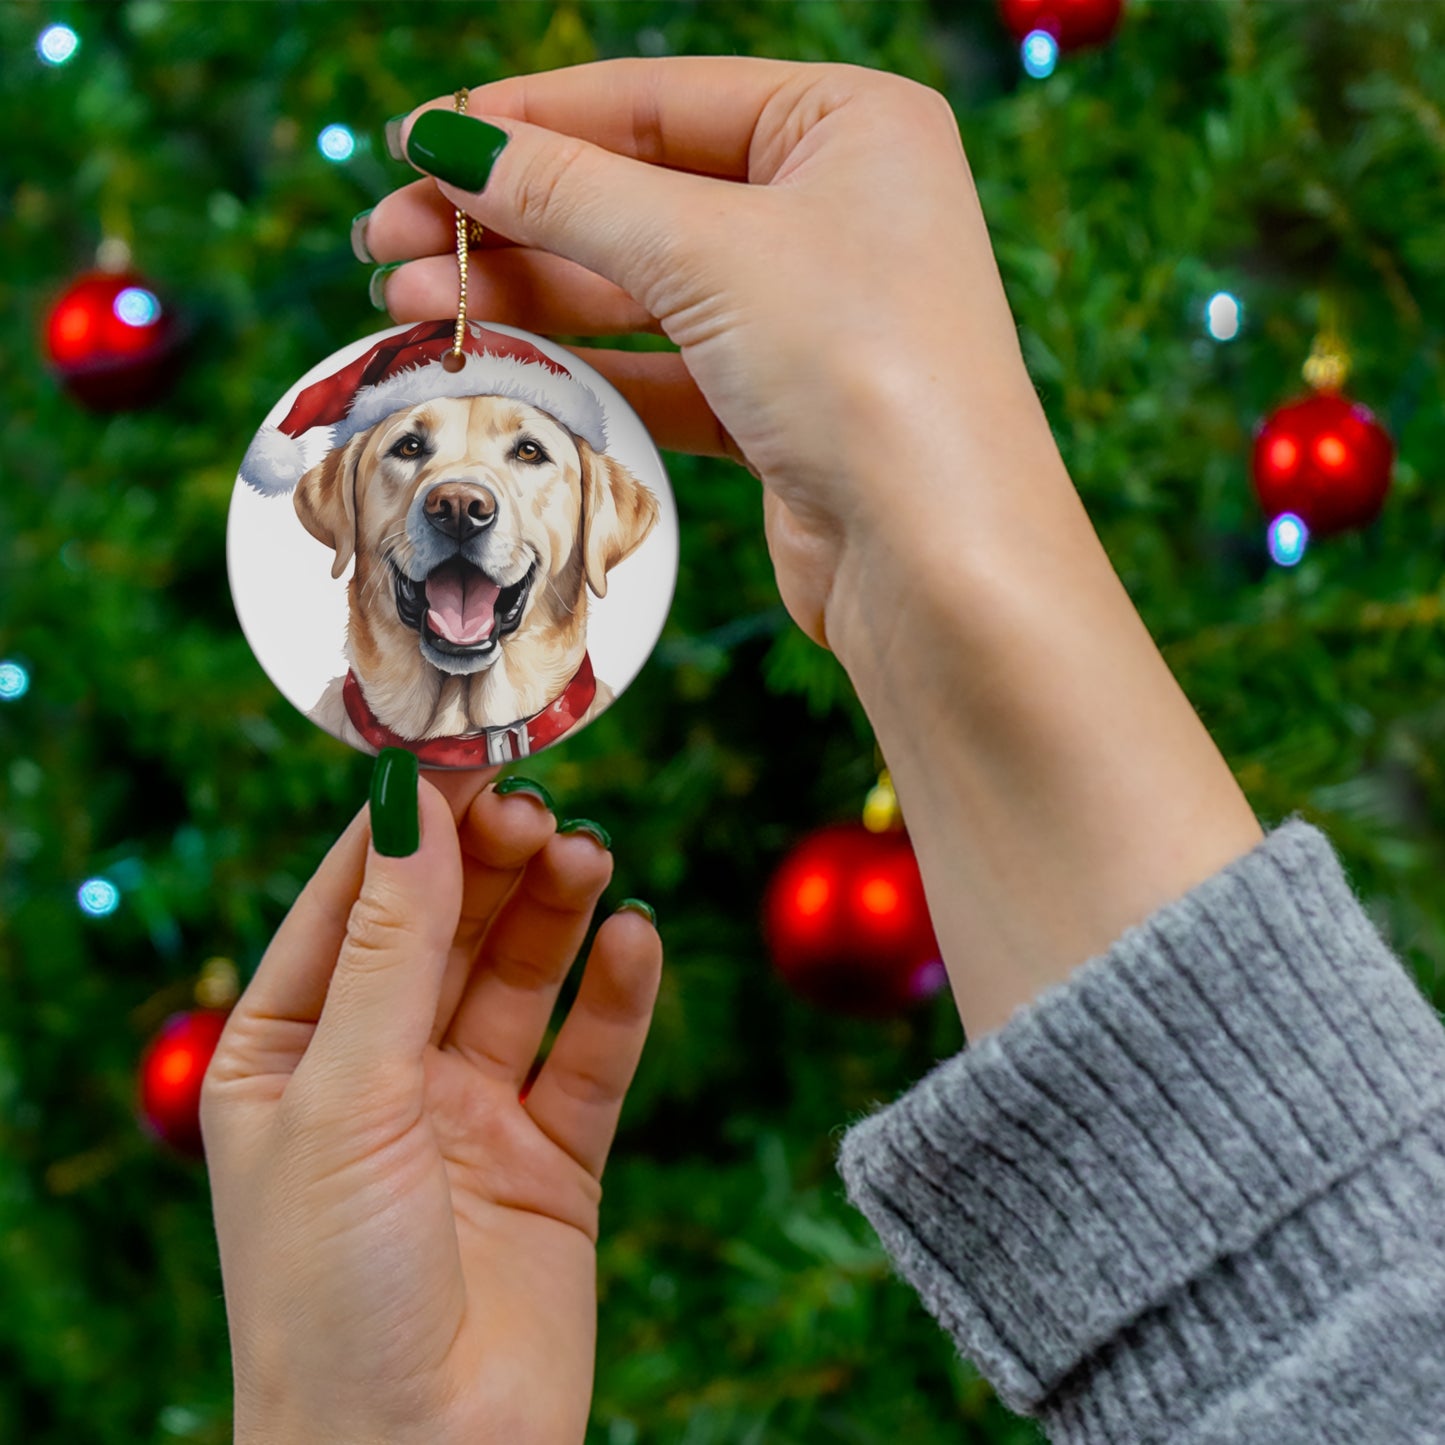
pixel 460 510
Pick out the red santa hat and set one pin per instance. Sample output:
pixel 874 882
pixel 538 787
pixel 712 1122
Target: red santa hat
pixel 404 369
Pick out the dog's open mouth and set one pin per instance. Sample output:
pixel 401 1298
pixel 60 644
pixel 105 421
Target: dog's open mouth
pixel 458 609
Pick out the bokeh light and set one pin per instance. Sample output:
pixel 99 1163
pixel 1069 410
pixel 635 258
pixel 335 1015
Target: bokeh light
pixel 57 44
pixel 929 979
pixel 336 143
pixel 1288 538
pixel 1040 52
pixel 98 897
pixel 137 307
pixel 14 681
pixel 1223 316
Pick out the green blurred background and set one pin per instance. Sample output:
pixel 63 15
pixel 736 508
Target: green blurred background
pixel 1292 154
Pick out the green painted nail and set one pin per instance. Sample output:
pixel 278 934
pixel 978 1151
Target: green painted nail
pixel 455 148
pixel 636 905
pixel 376 288
pixel 586 825
pixel 531 789
pixel 393 136
pixel 395 820
pixel 359 247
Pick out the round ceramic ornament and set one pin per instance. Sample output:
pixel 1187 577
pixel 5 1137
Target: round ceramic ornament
pixel 454 538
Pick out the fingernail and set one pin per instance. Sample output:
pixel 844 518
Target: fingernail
pixel 532 789
pixel 586 825
pixel 376 288
pixel 359 247
pixel 393 136
pixel 395 820
pixel 455 148
pixel 636 905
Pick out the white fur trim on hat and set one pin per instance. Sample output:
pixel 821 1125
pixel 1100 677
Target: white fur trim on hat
pixel 561 396
pixel 274 462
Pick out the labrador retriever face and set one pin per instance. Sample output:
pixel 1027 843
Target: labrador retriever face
pixel 477 524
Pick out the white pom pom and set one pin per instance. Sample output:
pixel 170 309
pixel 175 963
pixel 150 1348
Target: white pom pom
pixel 274 462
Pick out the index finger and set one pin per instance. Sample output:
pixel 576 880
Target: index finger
pixel 696 113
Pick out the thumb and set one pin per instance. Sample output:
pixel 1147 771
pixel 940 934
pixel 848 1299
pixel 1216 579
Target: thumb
pixel 634 224
pixel 382 1000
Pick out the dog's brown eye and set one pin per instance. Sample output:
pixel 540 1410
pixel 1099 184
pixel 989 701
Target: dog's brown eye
pixel 528 451
pixel 408 446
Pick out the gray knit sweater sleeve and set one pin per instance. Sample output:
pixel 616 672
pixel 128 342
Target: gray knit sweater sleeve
pixel 1196 1192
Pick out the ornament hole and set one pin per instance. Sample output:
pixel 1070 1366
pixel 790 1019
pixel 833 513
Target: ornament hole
pixel 453 361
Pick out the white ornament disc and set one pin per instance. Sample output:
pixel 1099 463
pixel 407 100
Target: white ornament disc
pixel 470 563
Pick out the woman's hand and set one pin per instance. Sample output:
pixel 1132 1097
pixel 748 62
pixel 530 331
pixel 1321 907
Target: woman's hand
pixel 407 1246
pixel 808 235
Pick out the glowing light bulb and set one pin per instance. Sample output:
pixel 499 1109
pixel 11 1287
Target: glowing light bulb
pixel 1040 53
pixel 336 143
pixel 98 897
pixel 1223 316
pixel 1288 538
pixel 137 307
pixel 14 681
pixel 57 44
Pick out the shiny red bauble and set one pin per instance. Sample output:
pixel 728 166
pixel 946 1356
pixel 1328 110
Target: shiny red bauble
pixel 171 1071
pixel 1073 23
pixel 1324 458
pixel 847 924
pixel 112 341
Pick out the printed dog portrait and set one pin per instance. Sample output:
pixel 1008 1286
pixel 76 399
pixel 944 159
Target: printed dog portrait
pixel 472 495
pixel 478 525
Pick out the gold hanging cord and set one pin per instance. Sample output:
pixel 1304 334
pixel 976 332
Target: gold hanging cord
pixel 469 233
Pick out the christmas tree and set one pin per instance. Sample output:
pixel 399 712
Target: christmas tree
pixel 1211 162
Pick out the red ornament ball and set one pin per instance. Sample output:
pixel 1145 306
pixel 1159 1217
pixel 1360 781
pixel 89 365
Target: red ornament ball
pixel 171 1071
pixel 847 923
pixel 112 341
pixel 1326 459
pixel 1073 23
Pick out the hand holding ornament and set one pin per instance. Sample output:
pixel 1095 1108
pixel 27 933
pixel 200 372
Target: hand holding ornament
pixel 407 1223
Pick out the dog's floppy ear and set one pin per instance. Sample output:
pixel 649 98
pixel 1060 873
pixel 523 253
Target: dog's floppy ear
pixel 326 500
pixel 617 514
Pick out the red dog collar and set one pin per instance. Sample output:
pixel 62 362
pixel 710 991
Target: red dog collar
pixel 490 746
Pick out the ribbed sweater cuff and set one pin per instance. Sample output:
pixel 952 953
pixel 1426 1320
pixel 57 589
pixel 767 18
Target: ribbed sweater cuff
pixel 1159 1156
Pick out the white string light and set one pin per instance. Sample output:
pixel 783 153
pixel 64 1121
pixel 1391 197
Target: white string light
pixel 336 143
pixel 57 44
pixel 14 681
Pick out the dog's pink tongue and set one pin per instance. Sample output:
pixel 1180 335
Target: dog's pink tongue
pixel 460 601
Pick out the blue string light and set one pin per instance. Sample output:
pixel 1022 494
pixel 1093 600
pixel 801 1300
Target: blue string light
pixel 1040 53
pixel 14 681
pixel 57 44
pixel 98 897
pixel 137 307
pixel 336 143
pixel 1223 316
pixel 1288 538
